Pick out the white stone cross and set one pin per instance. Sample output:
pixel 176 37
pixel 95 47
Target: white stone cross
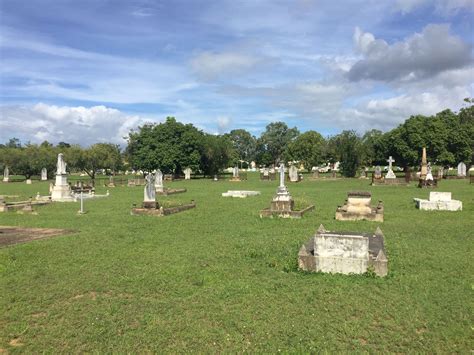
pixel 282 175
pixel 390 161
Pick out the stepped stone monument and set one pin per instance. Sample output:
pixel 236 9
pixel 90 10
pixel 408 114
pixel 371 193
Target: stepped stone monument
pixel 44 174
pixel 187 174
pixel 61 190
pixel 282 203
pixel 6 174
pixel 358 207
pixel 438 201
pixel 344 252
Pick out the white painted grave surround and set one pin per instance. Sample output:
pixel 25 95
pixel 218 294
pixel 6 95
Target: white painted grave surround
pixel 240 193
pixel 438 201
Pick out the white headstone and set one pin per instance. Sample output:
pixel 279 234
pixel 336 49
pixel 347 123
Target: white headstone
pixel 187 174
pixel 6 174
pixel 378 172
pixel 461 169
pixel 61 190
pixel 429 175
pixel 149 191
pixel 293 173
pixel 44 174
pixel 235 172
pixel 158 179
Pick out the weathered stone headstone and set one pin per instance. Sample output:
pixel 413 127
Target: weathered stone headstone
pixel 61 190
pixel 149 194
pixel 378 172
pixel 187 174
pixel 29 182
pixel 390 174
pixel 461 169
pixel 316 174
pixel 158 180
pixel 44 174
pixel 363 174
pixel 6 174
pixel 235 172
pixel 344 252
pixel 293 174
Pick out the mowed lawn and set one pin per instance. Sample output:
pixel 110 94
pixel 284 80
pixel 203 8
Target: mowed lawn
pixel 220 279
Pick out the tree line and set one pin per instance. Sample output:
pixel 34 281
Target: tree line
pixel 173 146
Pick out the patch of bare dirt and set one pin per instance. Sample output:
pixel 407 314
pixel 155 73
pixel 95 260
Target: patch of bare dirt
pixel 15 342
pixel 14 235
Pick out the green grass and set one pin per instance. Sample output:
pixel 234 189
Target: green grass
pixel 218 278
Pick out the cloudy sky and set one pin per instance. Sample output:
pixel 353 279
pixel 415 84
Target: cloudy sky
pixel 91 70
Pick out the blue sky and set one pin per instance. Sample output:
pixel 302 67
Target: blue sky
pixel 91 70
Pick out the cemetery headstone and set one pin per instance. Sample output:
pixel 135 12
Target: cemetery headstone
pixel 61 190
pixel 293 174
pixel 440 173
pixel 187 174
pixel 344 252
pixel 149 192
pixel 358 207
pixel 44 174
pixel 6 174
pixel 378 172
pixel 429 175
pixel 390 174
pixel 158 180
pixel 461 169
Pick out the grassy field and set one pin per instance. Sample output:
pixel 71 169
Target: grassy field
pixel 220 279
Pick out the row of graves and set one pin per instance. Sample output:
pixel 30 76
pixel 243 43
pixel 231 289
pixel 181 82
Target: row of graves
pixel 325 251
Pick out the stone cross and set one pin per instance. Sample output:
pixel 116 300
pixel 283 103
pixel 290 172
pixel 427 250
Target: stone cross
pixel 390 161
pixel 282 175
pixel 61 165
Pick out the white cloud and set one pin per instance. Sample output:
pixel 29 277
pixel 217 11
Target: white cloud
pixel 420 56
pixel 78 125
pixel 223 123
pixel 210 65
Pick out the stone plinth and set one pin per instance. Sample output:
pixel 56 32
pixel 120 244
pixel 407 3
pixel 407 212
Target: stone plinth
pixel 344 252
pixel 240 193
pixel 62 191
pixel 358 207
pixel 438 201
pixel 282 206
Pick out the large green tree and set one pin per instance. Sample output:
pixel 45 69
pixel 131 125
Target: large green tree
pixel 274 141
pixel 348 151
pixel 308 148
pixel 245 145
pixel 170 146
pixel 217 154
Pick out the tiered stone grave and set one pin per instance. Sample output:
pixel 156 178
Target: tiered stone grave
pixel 357 207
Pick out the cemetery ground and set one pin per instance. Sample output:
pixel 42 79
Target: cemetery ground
pixel 219 278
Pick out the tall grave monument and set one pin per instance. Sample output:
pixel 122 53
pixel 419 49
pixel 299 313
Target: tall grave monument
pixel 390 174
pixel 61 190
pixel 282 203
